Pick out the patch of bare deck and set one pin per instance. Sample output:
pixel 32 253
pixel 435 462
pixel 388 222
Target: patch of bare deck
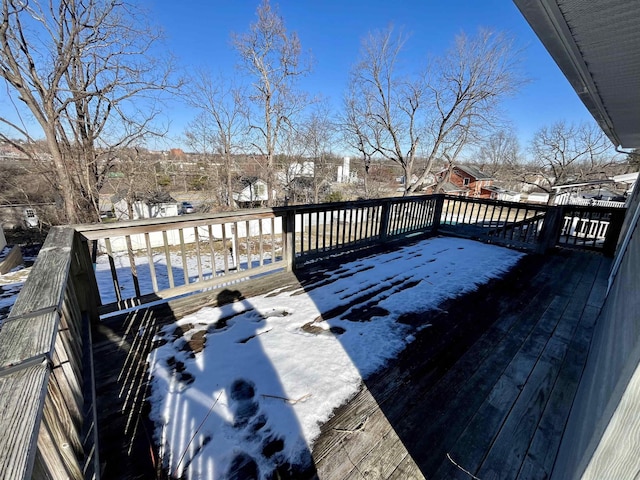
pixel 486 391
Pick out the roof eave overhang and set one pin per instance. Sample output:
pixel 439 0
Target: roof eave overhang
pixel 547 21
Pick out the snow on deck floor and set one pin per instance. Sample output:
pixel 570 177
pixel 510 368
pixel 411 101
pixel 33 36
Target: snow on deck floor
pixel 245 387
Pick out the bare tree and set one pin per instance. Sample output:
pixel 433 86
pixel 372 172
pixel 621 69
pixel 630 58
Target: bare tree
pixel 223 117
pixel 318 131
pixel 289 163
pixel 272 56
pixel 132 180
pixel 416 120
pixel 499 154
pixel 568 152
pixel 85 72
pixel 382 107
pixel 201 137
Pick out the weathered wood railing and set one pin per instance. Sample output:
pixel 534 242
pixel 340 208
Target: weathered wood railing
pixel 517 225
pixel 46 395
pixel 144 261
pixel 532 227
pixel 328 229
pixel 147 260
pixel 596 228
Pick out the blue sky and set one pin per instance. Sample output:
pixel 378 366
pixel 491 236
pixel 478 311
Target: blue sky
pixel 198 32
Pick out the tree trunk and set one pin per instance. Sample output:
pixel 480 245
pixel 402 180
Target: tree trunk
pixel 63 183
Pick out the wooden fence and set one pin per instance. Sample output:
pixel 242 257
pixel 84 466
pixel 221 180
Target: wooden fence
pixel 47 397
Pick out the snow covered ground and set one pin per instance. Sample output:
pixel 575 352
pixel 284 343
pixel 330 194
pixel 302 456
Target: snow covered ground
pixel 246 387
pixel 125 279
pixel 12 282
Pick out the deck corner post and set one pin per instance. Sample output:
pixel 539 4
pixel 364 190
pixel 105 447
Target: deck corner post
pixel 384 219
pixel 550 229
pixel 437 213
pixel 289 226
pixel 84 277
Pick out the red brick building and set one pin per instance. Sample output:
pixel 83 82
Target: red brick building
pixel 468 181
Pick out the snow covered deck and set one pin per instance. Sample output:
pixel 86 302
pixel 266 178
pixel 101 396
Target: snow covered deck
pixel 482 383
pixel 489 395
pixel 129 338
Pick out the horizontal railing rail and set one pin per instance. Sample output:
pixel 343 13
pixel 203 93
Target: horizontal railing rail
pixel 590 202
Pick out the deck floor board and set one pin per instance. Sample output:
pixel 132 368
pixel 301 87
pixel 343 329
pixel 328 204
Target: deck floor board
pixel 464 395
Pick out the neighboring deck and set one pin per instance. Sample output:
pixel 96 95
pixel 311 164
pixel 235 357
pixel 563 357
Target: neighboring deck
pixel 488 386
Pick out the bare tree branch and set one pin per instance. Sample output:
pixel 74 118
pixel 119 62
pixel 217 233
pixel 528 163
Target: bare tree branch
pixel 568 153
pixel 397 116
pixel 85 72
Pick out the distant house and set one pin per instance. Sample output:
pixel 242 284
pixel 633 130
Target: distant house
pixel 253 193
pixel 304 169
pixel 154 205
pixel 592 192
pixel 466 181
pixel 450 188
pixel 626 181
pixel 498 193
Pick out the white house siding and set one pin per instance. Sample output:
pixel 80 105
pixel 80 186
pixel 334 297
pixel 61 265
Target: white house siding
pixel 145 210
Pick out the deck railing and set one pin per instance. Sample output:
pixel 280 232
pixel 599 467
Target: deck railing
pixel 595 228
pixel 533 227
pixel 329 229
pixel 143 261
pixel 46 392
pixel 46 386
pixel 517 225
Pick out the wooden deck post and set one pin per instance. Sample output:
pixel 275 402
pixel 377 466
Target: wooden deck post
pixel 550 229
pixel 384 220
pixel 437 213
pixel 289 229
pixel 84 278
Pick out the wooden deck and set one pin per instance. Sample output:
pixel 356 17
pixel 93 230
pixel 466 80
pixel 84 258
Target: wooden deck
pixel 484 392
